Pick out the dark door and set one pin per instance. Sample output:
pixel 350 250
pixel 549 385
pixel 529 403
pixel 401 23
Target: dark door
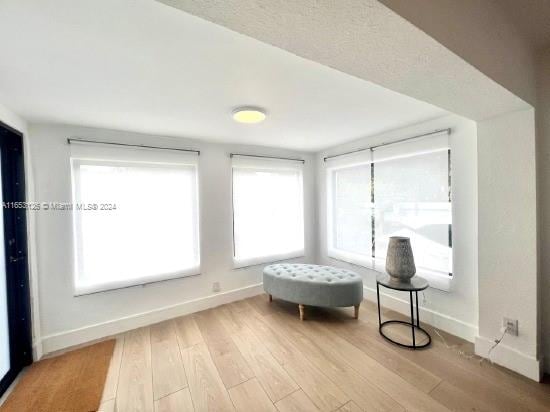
pixel 15 322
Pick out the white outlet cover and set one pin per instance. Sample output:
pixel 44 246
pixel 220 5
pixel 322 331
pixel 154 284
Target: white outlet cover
pixel 511 325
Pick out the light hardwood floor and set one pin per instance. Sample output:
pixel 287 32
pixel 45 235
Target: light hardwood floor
pixel 253 355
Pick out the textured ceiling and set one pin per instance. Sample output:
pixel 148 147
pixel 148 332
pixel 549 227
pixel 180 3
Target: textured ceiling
pixel 367 40
pixel 141 66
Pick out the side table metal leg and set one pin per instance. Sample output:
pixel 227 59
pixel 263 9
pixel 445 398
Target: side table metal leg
pixel 378 301
pixel 417 315
pixel 412 319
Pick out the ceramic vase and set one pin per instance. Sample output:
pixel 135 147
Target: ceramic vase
pixel 399 259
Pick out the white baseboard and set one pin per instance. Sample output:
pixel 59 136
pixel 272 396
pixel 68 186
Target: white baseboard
pixel 74 337
pixel 510 358
pixel 66 339
pixel 502 355
pixel 438 320
pixel 37 351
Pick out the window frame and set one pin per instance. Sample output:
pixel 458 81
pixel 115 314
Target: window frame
pixel 270 165
pixel 87 289
pixel 438 280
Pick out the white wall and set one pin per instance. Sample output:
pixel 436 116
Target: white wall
pixel 455 311
pixel 482 34
pixel 543 152
pixel 508 268
pixel 68 320
pixel 11 119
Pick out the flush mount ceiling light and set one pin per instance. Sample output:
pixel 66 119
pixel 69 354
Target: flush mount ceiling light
pixel 249 115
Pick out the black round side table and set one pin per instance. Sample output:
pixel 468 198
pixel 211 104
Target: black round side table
pixel 415 285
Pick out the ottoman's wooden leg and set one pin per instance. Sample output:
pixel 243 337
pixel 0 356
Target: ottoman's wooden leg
pixel 301 307
pixel 356 313
pixel 270 298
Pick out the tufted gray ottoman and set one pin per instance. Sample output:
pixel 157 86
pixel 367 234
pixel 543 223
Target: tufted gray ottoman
pixel 313 285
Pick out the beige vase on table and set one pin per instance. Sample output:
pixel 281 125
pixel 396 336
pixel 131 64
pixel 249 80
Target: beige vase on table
pixel 399 259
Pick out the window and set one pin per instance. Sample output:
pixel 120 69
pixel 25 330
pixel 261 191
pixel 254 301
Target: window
pixel 401 189
pixel 135 216
pixel 352 214
pixel 268 211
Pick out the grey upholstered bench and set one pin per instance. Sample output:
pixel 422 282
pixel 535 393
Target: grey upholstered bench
pixel 313 285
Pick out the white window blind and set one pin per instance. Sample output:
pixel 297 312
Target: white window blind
pixel 401 189
pixel 153 232
pixel 268 211
pixel 350 210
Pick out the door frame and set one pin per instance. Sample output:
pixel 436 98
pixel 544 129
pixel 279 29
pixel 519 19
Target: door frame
pixel 16 255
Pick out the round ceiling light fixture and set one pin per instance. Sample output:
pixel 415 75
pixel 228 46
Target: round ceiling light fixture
pixel 249 114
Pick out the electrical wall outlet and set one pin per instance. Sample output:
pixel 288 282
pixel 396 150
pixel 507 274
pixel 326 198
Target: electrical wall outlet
pixel 510 325
pixel 216 287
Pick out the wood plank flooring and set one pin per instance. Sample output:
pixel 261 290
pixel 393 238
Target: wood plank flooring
pixel 253 355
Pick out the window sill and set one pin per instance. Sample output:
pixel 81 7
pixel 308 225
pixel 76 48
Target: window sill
pixel 352 258
pixel 436 281
pixel 249 262
pixel 84 290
